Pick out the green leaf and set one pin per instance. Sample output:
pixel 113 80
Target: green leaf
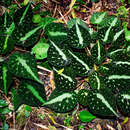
pixel 86 116
pixel 81 63
pixel 118 81
pixel 111 34
pixel 127 32
pixel 96 81
pixel 123 101
pixel 116 54
pixel 61 101
pixel 45 21
pixel 29 93
pixel 56 32
pixel 30 33
pixel 4 111
pixel 75 21
pixel 25 33
pixel 5 126
pixel 25 2
pixel 98 53
pixel 40 50
pixel 67 120
pixel 102 102
pixel 35 93
pixel 5 3
pixel 37 18
pixel 128 51
pixel 95 1
pixel 78 37
pixel 121 67
pixel 37 7
pixel 27 114
pixel 117 35
pixel 28 108
pixel 58 55
pixel 108 20
pixel 23 65
pixel 5 21
pixel 46 65
pixel 78 21
pixel 81 127
pixel 64 82
pixel 15 98
pixel 6 78
pixel 12 9
pixel 127 35
pixel 106 69
pixel 6 26
pixel 98 17
pixel 6 44
pixel 26 36
pixel 10 29
pixel 123 11
pixel 122 2
pixel 3 103
pixel 23 16
pixel 82 97
pixel 113 23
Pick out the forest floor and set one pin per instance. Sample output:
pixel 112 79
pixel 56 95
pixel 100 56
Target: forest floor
pixel 45 119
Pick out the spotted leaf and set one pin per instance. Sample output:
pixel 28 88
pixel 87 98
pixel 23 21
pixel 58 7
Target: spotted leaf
pixel 102 102
pixel 29 93
pixel 62 101
pixel 6 44
pixel 117 54
pixel 23 16
pixel 82 97
pixel 64 82
pixel 111 34
pixel 26 36
pixel 58 55
pixel 5 22
pixel 117 82
pixel 96 81
pixel 78 36
pixel 56 32
pixel 6 80
pixel 81 63
pixel 98 53
pixel 107 69
pixel 24 66
pixel 122 67
pixel 123 101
